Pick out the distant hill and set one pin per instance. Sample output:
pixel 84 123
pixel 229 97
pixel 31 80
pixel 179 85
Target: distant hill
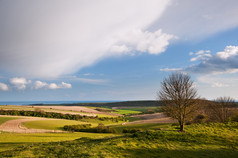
pixel 140 103
pixel 112 104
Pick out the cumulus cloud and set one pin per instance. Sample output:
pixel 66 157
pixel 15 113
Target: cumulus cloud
pixel 19 82
pixel 44 39
pixel 151 42
pixel 201 55
pixel 221 62
pixel 40 84
pixel 3 87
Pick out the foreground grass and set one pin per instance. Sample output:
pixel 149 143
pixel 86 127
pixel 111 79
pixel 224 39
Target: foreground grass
pixel 208 140
pixel 9 141
pixel 149 126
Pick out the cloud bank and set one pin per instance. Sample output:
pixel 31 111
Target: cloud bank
pixel 46 39
pixel 221 62
pixel 191 19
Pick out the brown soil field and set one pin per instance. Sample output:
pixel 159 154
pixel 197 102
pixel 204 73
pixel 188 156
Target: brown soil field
pixel 152 118
pixel 76 108
pixel 16 127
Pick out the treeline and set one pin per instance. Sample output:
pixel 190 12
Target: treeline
pixel 59 115
pixel 223 109
pixel 101 128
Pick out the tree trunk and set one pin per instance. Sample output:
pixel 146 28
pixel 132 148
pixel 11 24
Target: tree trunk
pixel 181 128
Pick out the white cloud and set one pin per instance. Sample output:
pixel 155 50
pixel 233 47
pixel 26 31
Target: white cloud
pixel 201 55
pixel 137 40
pixel 216 81
pixel 217 84
pixel 62 38
pixel 53 86
pixel 88 74
pixel 191 19
pixel 91 81
pixel 40 84
pixel 221 62
pixel 19 82
pixel 120 49
pixel 200 52
pixel 65 85
pixel 3 87
pixel 171 69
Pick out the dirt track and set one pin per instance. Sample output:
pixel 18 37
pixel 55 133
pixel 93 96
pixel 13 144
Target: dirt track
pixel 152 118
pixel 15 125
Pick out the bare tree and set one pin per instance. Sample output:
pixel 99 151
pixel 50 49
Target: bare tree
pixel 222 109
pixel 178 96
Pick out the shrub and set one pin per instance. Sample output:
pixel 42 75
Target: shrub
pixel 199 119
pixel 101 128
pixel 134 130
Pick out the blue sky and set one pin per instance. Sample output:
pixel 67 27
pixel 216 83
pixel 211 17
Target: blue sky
pixel 120 50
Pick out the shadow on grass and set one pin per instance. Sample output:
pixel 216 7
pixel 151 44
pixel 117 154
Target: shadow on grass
pixel 164 152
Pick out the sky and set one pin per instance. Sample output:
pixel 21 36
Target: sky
pixel 95 50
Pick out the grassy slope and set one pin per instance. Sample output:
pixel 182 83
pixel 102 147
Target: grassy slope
pixel 4 119
pixel 9 141
pixel 150 126
pixel 53 124
pixel 126 112
pixel 211 140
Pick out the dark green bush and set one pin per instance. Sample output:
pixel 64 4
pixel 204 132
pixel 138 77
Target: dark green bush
pixel 134 130
pixel 101 128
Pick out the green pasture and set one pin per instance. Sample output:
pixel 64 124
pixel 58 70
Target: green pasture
pixel 140 109
pixel 4 119
pixel 60 123
pixel 103 122
pixel 53 124
pixel 126 112
pixel 132 110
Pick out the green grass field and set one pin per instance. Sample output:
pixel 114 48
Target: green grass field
pixel 53 124
pixel 9 141
pixel 4 119
pixel 199 140
pixel 126 112
pixel 140 109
